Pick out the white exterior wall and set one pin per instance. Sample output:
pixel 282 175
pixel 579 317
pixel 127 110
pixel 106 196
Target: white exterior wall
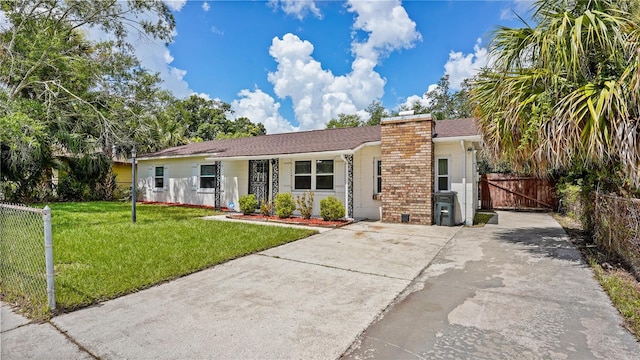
pixel 286 180
pixel 181 180
pixel 364 168
pixel 454 152
pixel 182 183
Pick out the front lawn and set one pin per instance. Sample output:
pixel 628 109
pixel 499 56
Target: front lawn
pixel 99 254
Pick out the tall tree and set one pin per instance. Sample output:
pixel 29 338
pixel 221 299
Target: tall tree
pixel 443 103
pixel 376 113
pixel 345 121
pixel 565 92
pixel 71 96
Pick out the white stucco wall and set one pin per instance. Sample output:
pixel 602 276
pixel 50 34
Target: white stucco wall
pixel 181 181
pixel 453 151
pixel 364 206
pixel 286 180
pixel 181 175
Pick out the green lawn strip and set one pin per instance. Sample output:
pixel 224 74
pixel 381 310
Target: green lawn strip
pixel 624 292
pixel 99 254
pixel 481 218
pixel 621 286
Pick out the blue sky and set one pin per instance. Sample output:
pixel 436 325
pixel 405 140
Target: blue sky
pixel 293 65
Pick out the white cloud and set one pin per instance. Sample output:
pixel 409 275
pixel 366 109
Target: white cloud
pixel 297 8
pixel 316 93
pixel 259 106
pixel 459 67
pixel 216 31
pixel 388 26
pixel 515 9
pixel 153 55
pixel 175 5
pixel 202 95
pixel 206 6
pixel 463 66
pixel 4 21
pixel 422 99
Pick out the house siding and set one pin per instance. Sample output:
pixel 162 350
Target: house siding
pixel 339 177
pixel 454 151
pixel 407 169
pixel 179 187
pixel 364 206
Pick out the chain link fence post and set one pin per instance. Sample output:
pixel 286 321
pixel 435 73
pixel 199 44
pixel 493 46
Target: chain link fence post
pixel 48 252
pixel 26 259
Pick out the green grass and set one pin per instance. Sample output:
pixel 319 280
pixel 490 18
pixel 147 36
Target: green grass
pixel 481 218
pixel 99 254
pixel 624 292
pixel 22 264
pixel 619 283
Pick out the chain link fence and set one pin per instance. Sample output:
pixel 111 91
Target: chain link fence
pixel 26 259
pixel 617 228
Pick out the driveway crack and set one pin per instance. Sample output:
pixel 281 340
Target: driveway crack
pixel 334 267
pixel 74 341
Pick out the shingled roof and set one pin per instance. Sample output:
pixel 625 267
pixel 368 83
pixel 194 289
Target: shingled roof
pixel 342 139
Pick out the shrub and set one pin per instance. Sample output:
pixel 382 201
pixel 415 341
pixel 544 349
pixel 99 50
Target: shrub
pixel 285 206
pixel 266 207
pixel 305 204
pixel 331 208
pixel 248 203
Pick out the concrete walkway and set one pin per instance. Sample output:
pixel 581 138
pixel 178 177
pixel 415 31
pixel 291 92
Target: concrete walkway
pixel 515 290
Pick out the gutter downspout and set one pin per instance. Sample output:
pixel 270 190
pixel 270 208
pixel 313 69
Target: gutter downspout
pixel 464 182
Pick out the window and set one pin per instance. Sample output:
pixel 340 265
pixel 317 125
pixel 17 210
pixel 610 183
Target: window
pixel 158 178
pixel 313 174
pixel 302 175
pixel 442 174
pixel 378 177
pixel 208 176
pixel 324 174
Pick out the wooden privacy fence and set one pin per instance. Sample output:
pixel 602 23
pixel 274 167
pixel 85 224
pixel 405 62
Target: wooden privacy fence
pixel 517 192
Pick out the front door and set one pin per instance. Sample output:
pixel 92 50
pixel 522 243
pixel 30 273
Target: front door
pixel 259 179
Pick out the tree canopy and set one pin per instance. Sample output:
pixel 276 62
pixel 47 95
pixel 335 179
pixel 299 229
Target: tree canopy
pixel 64 96
pixel 443 103
pixel 564 93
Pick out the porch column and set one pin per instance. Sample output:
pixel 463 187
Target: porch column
pixel 218 183
pixel 275 178
pixel 349 193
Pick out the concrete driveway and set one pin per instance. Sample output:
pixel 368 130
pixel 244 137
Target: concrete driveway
pixel 308 299
pixel 515 290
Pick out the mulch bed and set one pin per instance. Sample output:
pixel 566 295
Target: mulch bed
pixel 292 220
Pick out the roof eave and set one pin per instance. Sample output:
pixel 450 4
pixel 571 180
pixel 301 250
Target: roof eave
pixel 473 138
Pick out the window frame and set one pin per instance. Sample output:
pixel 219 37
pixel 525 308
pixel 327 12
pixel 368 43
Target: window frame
pixel 313 175
pixel 331 174
pixel 438 176
pixel 161 177
pixel 377 176
pixel 214 176
pixel 302 174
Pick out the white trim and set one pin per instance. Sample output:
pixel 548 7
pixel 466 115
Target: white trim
pixel 314 175
pixel 473 138
pixel 307 155
pixel 376 175
pixel 200 176
pixel 448 158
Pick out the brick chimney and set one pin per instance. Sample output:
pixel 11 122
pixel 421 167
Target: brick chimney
pixel 407 169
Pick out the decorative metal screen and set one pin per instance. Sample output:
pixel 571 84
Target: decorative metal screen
pixel 259 179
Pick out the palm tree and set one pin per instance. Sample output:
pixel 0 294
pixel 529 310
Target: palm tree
pixel 565 92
